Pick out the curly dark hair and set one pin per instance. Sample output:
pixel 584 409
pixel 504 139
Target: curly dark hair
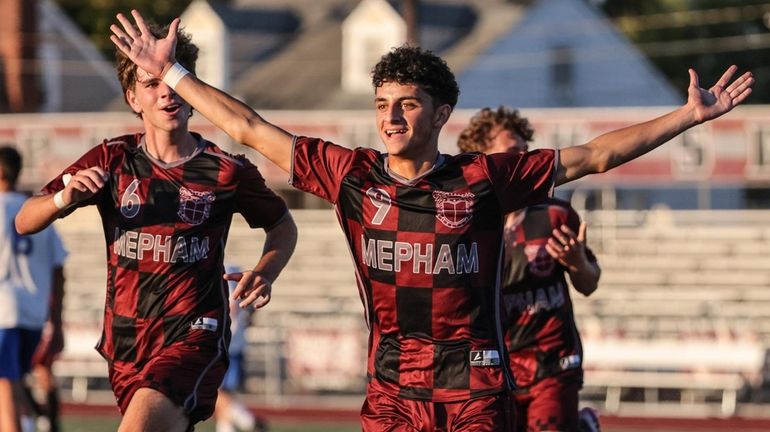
pixel 413 65
pixel 186 55
pixel 474 137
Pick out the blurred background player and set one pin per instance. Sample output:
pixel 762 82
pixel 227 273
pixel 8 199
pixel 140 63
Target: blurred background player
pixel 30 266
pixel 44 394
pixel 231 414
pixel 166 197
pixel 542 243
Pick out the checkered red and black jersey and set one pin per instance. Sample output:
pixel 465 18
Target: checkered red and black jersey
pixel 427 254
pixel 165 226
pixel 542 337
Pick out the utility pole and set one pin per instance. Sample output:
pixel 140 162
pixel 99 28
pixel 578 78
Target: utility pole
pixel 18 52
pixel 411 15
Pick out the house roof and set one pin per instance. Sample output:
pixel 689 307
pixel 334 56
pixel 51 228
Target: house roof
pixel 77 76
pixel 306 72
pixel 568 54
pixel 287 54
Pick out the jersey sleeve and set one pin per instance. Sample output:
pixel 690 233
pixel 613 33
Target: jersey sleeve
pixel 524 179
pixel 96 157
pixel 258 204
pixel 318 167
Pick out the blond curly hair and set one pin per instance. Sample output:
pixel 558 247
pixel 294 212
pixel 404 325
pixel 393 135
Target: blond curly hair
pixel 474 137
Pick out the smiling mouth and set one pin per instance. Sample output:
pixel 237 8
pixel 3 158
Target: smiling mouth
pixel 391 132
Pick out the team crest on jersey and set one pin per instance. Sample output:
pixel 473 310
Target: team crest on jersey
pixel 540 263
pixel 454 210
pixel 194 206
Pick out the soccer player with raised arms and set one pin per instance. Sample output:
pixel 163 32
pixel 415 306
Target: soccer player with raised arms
pixel 424 228
pixel 166 197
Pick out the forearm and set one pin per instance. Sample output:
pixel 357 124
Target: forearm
pixel 615 148
pixel 585 277
pixel 279 246
pixel 36 214
pixel 238 120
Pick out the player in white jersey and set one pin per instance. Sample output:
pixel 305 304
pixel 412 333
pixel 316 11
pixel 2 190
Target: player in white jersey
pixel 28 265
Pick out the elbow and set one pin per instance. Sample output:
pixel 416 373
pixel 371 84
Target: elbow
pixel 21 226
pixel 588 289
pixel 603 163
pixel 24 225
pixel 241 129
pixel 285 232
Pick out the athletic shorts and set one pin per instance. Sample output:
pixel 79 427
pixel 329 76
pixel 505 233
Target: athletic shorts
pixel 16 348
pixel 383 412
pixel 551 404
pixel 234 374
pixel 188 377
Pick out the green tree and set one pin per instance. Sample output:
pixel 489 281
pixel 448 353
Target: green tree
pixel 707 35
pixel 94 17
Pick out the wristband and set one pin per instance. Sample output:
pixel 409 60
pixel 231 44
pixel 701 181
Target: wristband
pixel 174 75
pixel 58 200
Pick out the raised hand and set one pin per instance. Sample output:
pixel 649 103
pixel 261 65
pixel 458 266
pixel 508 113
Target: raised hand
pixel 138 43
pixel 721 97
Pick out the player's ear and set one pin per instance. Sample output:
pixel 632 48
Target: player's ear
pixel 132 102
pixel 441 116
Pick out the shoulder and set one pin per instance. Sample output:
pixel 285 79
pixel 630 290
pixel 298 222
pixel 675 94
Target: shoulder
pixel 237 160
pixel 122 143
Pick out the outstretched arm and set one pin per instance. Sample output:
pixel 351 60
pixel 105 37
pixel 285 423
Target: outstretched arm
pixel 618 147
pixel 255 286
pixel 157 56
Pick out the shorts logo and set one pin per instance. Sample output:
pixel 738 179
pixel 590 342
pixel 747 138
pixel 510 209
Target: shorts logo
pixel 194 206
pixel 204 323
pixel 540 262
pixel 454 210
pixel 485 358
pixel 569 362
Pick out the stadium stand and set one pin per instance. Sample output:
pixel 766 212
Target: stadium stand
pixel 680 324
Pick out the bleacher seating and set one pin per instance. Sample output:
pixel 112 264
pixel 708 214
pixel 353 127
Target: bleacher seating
pixel 689 282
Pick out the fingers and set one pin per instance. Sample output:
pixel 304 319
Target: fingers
pixel 259 296
pixel 89 180
pixel 581 237
pixel 694 81
pixel 741 83
pixel 725 79
pixel 252 289
pixel 564 235
pixel 140 22
pixel 740 89
pixel 236 276
pixel 173 29
pixel 128 28
pixel 555 253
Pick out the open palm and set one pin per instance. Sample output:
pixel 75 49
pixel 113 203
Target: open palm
pixel 142 47
pixel 721 97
